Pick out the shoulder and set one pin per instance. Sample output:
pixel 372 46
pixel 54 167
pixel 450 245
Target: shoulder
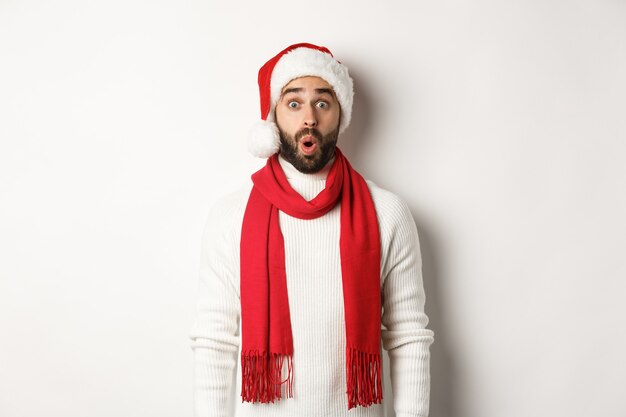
pixel 226 213
pixel 398 232
pixel 391 209
pixel 396 225
pixel 231 203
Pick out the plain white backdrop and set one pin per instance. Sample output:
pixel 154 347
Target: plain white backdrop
pixel 502 124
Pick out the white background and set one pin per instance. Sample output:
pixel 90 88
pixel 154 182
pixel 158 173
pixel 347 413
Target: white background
pixel 502 124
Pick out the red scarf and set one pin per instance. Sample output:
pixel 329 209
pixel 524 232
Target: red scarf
pixel 267 343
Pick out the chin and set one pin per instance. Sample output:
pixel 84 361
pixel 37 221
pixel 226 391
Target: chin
pixel 308 164
pixel 305 163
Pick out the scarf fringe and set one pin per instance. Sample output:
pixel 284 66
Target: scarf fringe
pixel 261 376
pixel 364 377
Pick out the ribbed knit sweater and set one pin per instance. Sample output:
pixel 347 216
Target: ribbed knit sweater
pixel 316 306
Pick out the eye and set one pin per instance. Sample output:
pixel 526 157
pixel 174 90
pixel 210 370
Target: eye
pixel 322 104
pixel 292 104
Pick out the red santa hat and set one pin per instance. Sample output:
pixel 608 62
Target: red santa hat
pixel 299 60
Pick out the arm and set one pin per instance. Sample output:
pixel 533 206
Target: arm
pixel 215 333
pixel 404 333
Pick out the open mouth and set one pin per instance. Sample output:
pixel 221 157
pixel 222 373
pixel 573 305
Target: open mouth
pixel 308 145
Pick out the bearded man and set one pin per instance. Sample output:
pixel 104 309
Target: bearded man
pixel 309 269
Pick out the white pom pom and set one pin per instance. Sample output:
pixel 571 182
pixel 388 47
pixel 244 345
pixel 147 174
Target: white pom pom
pixel 264 139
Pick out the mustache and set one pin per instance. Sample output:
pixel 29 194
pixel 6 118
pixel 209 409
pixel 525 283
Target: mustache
pixel 308 131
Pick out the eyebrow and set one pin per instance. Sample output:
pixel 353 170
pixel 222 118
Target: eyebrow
pixel 299 90
pixel 325 90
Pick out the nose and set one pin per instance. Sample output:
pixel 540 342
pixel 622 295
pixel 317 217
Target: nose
pixel 310 118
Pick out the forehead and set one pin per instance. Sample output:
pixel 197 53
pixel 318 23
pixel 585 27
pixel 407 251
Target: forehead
pixel 307 83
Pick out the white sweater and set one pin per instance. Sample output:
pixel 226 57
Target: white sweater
pixel 313 269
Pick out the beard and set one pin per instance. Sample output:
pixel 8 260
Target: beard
pixel 308 164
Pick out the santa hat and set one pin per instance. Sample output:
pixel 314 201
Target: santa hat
pixel 299 60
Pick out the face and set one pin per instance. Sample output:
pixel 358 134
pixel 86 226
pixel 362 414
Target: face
pixel 308 116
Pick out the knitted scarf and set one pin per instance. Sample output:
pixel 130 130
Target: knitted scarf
pixel 267 345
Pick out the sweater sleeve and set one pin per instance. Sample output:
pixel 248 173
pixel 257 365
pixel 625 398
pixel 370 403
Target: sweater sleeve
pixel 404 333
pixel 215 333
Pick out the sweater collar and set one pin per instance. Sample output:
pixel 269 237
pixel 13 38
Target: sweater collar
pixel 292 172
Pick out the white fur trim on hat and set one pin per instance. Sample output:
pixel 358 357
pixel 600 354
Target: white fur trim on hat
pixel 264 139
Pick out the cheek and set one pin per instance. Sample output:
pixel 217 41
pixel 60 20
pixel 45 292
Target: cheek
pixel 283 117
pixel 333 118
pixel 286 122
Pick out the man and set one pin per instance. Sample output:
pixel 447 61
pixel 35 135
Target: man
pixel 307 269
